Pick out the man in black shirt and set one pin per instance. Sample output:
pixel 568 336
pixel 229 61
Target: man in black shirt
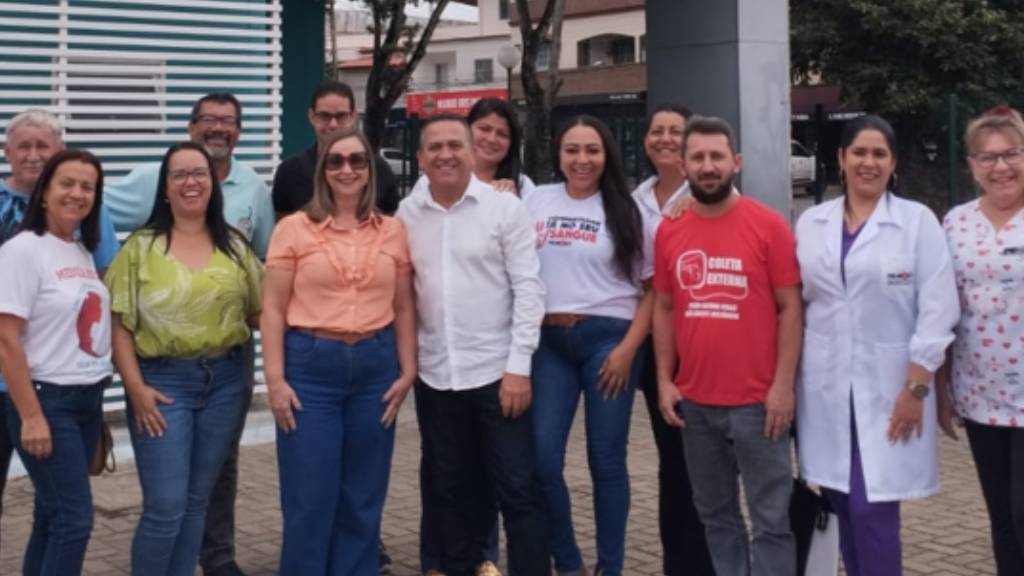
pixel 331 108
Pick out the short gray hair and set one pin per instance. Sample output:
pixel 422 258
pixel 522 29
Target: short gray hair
pixel 38 118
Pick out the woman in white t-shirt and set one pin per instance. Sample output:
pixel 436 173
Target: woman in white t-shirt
pixel 591 246
pixel 55 354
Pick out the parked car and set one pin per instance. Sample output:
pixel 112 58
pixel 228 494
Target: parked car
pixel 802 165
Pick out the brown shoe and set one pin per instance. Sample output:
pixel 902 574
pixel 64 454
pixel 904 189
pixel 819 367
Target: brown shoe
pixel 487 568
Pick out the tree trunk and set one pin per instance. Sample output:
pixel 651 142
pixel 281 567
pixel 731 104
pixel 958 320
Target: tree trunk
pixel 388 80
pixel 539 98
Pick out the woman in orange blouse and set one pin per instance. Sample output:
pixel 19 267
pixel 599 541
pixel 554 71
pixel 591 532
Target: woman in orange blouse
pixel 339 349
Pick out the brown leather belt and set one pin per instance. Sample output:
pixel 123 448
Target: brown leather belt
pixel 349 338
pixel 563 320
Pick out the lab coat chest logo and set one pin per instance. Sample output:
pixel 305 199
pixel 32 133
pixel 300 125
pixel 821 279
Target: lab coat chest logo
pixel 899 277
pixel 709 280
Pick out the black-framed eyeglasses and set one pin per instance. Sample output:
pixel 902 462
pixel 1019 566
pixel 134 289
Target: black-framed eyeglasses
pixel 338 117
pixel 356 161
pixel 211 120
pixel 181 176
pixel 1012 157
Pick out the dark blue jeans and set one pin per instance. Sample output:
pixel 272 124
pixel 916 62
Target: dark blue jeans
pixel 177 471
pixel 62 517
pixel 6 449
pixel 565 366
pixel 334 467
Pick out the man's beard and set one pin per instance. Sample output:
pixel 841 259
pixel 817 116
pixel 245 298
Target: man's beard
pixel 715 196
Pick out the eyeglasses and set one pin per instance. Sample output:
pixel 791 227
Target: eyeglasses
pixel 209 120
pixel 181 176
pixel 1012 157
pixel 356 161
pixel 338 117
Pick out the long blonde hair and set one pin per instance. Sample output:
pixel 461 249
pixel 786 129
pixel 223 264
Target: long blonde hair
pixel 321 205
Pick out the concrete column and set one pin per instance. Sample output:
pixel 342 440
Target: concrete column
pixel 302 45
pixel 729 58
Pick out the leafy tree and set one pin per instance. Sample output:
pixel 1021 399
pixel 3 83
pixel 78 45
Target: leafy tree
pixel 545 29
pixel 903 59
pixel 398 47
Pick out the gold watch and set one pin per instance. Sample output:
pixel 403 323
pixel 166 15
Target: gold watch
pixel 918 389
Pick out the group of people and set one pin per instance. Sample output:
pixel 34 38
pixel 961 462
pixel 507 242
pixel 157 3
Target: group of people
pixel 500 303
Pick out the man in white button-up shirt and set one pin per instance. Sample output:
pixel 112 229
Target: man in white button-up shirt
pixel 480 303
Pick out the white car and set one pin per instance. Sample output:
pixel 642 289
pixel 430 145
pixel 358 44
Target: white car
pixel 394 158
pixel 802 165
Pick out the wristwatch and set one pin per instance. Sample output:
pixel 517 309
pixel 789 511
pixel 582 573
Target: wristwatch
pixel 918 389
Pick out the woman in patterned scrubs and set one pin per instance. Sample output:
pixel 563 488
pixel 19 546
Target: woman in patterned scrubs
pixel 984 383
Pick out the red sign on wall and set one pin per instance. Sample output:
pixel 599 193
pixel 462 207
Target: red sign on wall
pixel 429 103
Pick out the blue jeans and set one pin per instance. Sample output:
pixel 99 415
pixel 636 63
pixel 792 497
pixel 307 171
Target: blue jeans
pixel 177 471
pixel 62 517
pixel 334 467
pixel 565 365
pixel 721 443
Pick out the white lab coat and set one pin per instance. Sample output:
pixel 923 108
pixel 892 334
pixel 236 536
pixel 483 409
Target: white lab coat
pixel 899 305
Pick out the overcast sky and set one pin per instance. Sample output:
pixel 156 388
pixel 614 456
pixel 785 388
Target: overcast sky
pixel 454 11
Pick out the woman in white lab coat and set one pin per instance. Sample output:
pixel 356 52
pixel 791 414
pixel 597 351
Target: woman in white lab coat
pixel 983 382
pixel 881 304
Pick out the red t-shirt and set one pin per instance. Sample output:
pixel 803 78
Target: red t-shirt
pixel 722 273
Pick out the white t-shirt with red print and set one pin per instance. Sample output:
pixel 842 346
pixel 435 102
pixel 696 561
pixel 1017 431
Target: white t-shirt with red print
pixel 54 287
pixel 988 354
pixel 577 256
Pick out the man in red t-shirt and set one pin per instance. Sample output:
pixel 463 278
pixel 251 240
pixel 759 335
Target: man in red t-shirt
pixel 727 333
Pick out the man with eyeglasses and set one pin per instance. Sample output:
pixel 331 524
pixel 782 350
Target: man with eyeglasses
pixel 215 124
pixel 331 108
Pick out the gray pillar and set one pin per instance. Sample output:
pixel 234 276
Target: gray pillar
pixel 729 58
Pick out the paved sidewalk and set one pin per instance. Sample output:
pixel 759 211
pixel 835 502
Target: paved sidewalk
pixel 943 536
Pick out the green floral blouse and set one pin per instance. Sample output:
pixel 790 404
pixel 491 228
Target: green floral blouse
pixel 175 311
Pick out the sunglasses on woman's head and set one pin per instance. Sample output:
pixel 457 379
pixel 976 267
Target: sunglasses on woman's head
pixel 355 161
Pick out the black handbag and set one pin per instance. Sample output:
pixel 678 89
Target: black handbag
pixel 808 512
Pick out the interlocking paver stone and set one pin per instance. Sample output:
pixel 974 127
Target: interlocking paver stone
pixel 946 535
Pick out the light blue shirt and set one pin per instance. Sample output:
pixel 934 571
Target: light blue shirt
pixel 105 250
pixel 247 203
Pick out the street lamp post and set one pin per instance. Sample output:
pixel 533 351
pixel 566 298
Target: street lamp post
pixel 508 57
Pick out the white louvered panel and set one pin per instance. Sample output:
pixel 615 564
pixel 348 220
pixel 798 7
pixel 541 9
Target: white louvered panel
pixel 198 71
pixel 123 76
pixel 152 29
pixel 8 111
pixel 114 54
pixel 109 40
pixel 234 5
pixel 114 14
pixel 95 80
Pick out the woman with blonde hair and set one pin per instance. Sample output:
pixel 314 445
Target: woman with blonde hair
pixel 982 379
pixel 339 345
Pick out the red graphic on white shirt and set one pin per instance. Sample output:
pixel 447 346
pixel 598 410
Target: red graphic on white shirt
pixel 89 315
pixel 566 231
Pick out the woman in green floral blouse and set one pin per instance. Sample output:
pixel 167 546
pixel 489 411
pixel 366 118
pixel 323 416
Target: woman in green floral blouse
pixel 185 292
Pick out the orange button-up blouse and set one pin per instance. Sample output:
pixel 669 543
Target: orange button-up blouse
pixel 344 279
